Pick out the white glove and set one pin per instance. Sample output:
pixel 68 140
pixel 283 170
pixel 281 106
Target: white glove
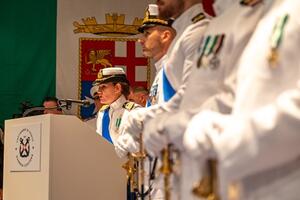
pixel 174 126
pixel 122 153
pixel 202 131
pixel 154 140
pixel 126 144
pixel 132 122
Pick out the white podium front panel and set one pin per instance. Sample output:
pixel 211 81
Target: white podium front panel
pixel 20 184
pixel 74 162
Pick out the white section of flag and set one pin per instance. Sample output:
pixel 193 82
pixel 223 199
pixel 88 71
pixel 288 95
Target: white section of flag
pixel 138 50
pixel 141 73
pixel 121 48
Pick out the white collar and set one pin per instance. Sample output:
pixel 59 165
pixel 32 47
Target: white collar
pixel 118 103
pixel 186 17
pixel 221 5
pixel 158 64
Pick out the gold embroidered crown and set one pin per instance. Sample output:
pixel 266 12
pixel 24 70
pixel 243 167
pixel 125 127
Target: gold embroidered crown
pixel 114 26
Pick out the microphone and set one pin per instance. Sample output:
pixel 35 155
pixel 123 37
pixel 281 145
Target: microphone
pixel 84 103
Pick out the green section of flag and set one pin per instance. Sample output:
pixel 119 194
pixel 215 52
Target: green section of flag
pixel 27 53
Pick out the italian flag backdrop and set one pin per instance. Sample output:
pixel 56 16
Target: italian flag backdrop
pixel 40 50
pixel 27 53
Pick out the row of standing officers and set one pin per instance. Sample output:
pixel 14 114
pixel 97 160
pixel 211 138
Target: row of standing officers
pixel 224 107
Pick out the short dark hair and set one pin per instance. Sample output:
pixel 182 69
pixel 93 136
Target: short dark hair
pixel 49 98
pixel 52 99
pixel 140 89
pixel 125 88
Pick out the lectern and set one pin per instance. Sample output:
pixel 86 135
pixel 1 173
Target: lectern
pixel 59 157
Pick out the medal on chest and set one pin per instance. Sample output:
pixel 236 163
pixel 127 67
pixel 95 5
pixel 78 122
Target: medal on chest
pixel 153 94
pixel 118 122
pixel 210 49
pixel 276 40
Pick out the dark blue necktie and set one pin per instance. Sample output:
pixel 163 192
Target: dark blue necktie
pixel 105 126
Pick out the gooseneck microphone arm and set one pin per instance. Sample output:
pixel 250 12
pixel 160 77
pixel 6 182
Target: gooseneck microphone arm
pixel 67 103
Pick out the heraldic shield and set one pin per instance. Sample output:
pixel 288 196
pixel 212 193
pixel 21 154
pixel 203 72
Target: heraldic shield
pixel 98 53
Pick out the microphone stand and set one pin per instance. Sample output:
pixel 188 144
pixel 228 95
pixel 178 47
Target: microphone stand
pixel 68 103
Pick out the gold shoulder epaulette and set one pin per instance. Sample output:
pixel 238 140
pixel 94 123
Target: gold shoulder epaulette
pixel 198 18
pixel 104 107
pixel 250 2
pixel 129 105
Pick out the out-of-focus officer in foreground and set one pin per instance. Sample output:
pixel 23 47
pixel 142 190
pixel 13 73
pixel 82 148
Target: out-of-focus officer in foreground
pixel 178 63
pixel 211 84
pixel 257 146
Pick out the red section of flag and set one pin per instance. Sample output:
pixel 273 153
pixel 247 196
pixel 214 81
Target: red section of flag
pixel 90 63
pixel 96 54
pixel 131 62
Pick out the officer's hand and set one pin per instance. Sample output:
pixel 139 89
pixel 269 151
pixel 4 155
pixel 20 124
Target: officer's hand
pixel 202 132
pixel 174 126
pixel 122 153
pixel 125 144
pixel 154 139
pixel 132 122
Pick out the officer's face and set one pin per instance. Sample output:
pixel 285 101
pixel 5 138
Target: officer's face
pixel 151 43
pixel 51 108
pixel 97 102
pixel 170 8
pixel 109 92
pixel 138 97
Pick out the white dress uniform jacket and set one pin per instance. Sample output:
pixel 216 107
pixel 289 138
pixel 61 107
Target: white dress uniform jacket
pixel 155 94
pixel 156 97
pixel 116 111
pixel 258 149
